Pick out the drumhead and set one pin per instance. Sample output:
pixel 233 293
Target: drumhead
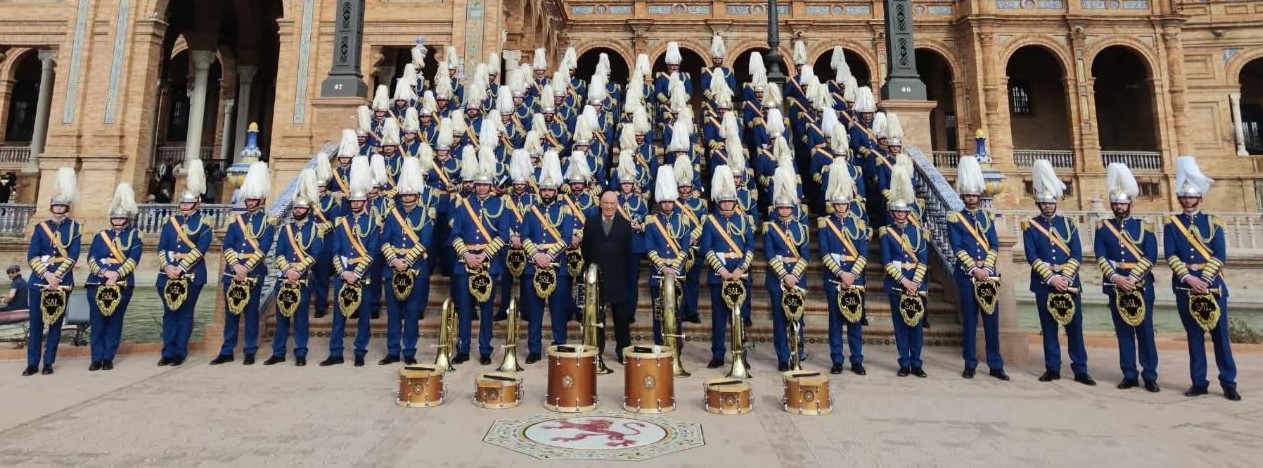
pixel 498 379
pixel 651 352
pixel 579 351
pixel 726 385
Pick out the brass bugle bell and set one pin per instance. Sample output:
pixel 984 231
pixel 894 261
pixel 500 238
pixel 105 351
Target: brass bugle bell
pixel 510 364
pixel 671 333
pixel 592 323
pixel 740 368
pixel 447 336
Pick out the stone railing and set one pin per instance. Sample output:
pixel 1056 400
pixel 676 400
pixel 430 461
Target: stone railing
pixel 940 199
pixel 154 215
pixel 1140 161
pixel 946 159
pixel 1060 159
pixel 15 155
pixel 1242 231
pixel 14 217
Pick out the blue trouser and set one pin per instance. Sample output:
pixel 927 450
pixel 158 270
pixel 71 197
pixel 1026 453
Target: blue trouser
pixel 403 317
pixel 47 342
pixel 908 340
pixel 854 331
pixel 692 289
pixel 719 318
pixel 177 325
pixel 299 321
pixel 969 311
pixel 377 272
pixel 1197 344
pixel 780 327
pixel 1074 337
pixel 319 283
pixel 533 310
pixel 105 333
pixel 557 312
pixel 232 321
pixel 363 328
pixel 465 308
pixel 1129 337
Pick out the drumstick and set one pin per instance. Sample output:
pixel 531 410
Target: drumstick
pixel 498 377
pixel 726 382
pixel 642 349
pixel 419 368
pixel 566 349
pixel 809 374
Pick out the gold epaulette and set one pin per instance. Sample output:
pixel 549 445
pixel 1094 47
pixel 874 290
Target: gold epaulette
pixel 1216 221
pixel 953 217
pixel 820 222
pixel 1026 224
pixel 271 220
pixel 882 231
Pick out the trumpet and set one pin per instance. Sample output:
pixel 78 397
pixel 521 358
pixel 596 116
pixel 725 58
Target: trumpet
pixel 509 364
pixel 447 336
pixel 671 333
pixel 593 322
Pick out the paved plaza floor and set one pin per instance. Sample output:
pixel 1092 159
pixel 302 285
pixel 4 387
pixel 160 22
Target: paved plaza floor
pixel 233 415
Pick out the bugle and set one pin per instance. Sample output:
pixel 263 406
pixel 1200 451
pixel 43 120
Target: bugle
pixel 793 303
pixel 671 333
pixel 447 336
pixel 510 364
pixel 593 321
pixel 733 292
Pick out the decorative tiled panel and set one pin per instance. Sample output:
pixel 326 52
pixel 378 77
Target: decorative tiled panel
pixel 582 9
pixel 1008 4
pixel 1031 4
pixel 941 10
pixel 859 10
pixel 1093 4
pixel 818 9
pixel 620 9
pixel 756 9
pixel 1052 4
pixel 1136 4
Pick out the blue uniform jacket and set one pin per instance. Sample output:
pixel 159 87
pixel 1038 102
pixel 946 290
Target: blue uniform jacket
pixel 716 250
pixel 1049 256
pixel 902 262
pixel 187 251
pixel 1114 252
pixel 54 248
pixel 1184 253
pixel 102 258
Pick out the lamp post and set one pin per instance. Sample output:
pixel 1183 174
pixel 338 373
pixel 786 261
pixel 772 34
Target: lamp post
pixel 773 59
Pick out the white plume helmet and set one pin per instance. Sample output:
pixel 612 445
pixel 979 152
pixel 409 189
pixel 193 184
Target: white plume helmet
pixel 381 98
pixel 800 52
pixel 717 47
pixel 546 105
pixel 633 97
pixel 596 89
pixel 468 164
pixel 640 118
pixel 493 64
pixel 256 184
pixel 550 174
pixel 819 95
pixel 1189 180
pixel 405 87
pixel 475 94
pixel 520 166
pixel 722 188
pixel 364 119
pixel 784 187
pixel 1048 187
pixel 626 168
pixel 570 59
pixel 195 181
pixel 516 81
pixel 772 97
pixel 488 134
pixel 487 161
pixel 539 60
pixel 728 126
pixel 838 62
pixel 679 96
pixel 504 101
pixel 850 88
pixel 361 179
pixel 308 192
pixel 459 125
pixel 902 195
pixel 578 170
pixel 450 57
pixel 561 82
pixel 829 121
pixel 627 136
pixel 445 136
pixel 324 170
pixel 684 171
pixel 879 125
pixel 775 124
pixel 1121 183
pixel 442 87
pixel 679 137
pixel 806 73
pixel 783 155
pixel 969 180
pixel 124 203
pixel 583 129
pixel 756 65
pixel 602 65
pixel 350 144
pixel 377 163
pixel 840 140
pixel 642 64
pixel 903 160
pixel 428 104
pixel 425 159
pixel 390 132
pixel 419 52
pixel 719 90
pixel 864 100
pixel 841 186
pixel 534 144
pixel 664 187
pixel 894 130
pixel 673 53
pixel 412 121
pixel 736 154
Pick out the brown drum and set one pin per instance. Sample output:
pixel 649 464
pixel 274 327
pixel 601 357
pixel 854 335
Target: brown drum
pixel 650 384
pixel 420 387
pixel 727 396
pixel 807 393
pixel 497 391
pixel 571 379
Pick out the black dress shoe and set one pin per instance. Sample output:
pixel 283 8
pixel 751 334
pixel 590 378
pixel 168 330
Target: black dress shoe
pixel 29 371
pixel 273 360
pixel 107 364
pixel 484 360
pixel 748 323
pixel 858 369
pixel 332 361
pixel 969 373
pixel 864 321
pixel 359 361
pixel 165 361
pixel 1085 380
pixel 48 369
pixel 903 372
pixel 1128 383
pixel 95 366
pixel 500 316
pixel 715 364
pixel 999 374
pixel 388 360
pixel 693 319
pixel 784 366
pixel 618 357
pixel 409 361
pixel 836 369
pixel 1196 391
pixel 220 359
pixel 532 358
pixel 376 315
pixel 1151 386
pixel 300 361
pixel 177 361
pixel 460 357
pixel 1232 394
pixel 319 314
pixel 1050 376
pixel 248 361
pixel 919 372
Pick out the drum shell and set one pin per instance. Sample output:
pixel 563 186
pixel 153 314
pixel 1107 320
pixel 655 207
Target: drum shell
pixel 649 384
pixel 571 380
pixel 727 399
pixel 420 387
pixel 806 395
pixel 493 393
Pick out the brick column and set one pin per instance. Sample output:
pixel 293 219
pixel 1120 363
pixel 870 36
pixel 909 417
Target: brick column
pixel 202 60
pixel 40 135
pixel 1176 89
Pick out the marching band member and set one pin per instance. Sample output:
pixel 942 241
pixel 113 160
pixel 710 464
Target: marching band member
pixel 1051 243
pixel 419 52
pixel 668 237
pixel 325 211
pixel 112 261
pixel 381 110
pixel 974 242
pixel 904 254
pixel 1125 250
pixel 378 206
pixel 795 91
pixel 839 145
pixel 445 178
pixel 1195 246
pixel 535 94
pixel 634 208
pixel 556 129
pixel 182 247
pixel 837 86
pixel 747 200
pixel 727 245
pixel 582 206
pixel 355 239
pixel 366 139
pixel 546 233
pixel 406 239
pixel 717 70
pixel 411 144
pixel 519 201
pixel 477 238
pixel 405 96
pixel 246 246
pixel 446 102
pixel 298 250
pixel 52 255
pixel 348 149
pixel 693 209
pixel 752 97
pixel 843 248
pixel 661 84
pixel 389 152
pixel 787 246
pixel 564 99
pixel 862 140
pixel 428 119
pixel 512 133
pixel 454 67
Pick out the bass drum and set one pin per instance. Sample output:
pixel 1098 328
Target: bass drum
pixel 649 386
pixel 571 379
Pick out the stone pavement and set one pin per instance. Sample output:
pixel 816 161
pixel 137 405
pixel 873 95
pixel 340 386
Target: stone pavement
pixel 232 415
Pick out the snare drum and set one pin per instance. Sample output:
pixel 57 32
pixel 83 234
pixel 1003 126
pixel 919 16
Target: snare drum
pixel 497 391
pixel 650 385
pixel 571 379
pixel 420 387
pixel 727 396
pixel 806 393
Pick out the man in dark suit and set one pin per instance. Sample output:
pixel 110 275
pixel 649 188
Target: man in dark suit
pixel 607 240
